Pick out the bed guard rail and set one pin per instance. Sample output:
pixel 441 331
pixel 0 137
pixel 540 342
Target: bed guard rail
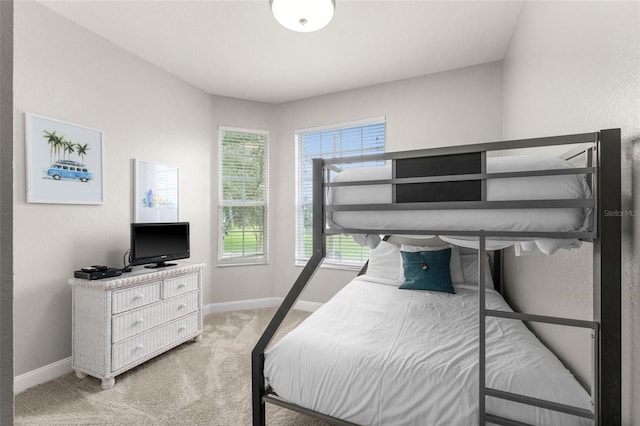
pixel 421 177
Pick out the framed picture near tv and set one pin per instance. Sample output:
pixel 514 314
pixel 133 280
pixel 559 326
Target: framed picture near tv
pixel 64 162
pixel 156 192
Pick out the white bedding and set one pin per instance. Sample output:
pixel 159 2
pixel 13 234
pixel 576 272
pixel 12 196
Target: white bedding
pixel 378 355
pixel 530 188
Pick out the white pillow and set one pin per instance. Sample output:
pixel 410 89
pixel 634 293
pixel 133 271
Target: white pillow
pixel 469 264
pixel 385 262
pixel 457 277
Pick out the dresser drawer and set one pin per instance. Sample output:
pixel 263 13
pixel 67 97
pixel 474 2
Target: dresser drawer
pixel 179 285
pixel 133 322
pixel 130 298
pixel 131 350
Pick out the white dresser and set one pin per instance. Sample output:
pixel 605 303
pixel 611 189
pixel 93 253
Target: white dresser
pixel 121 322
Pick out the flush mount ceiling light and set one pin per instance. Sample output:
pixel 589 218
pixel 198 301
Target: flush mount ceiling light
pixel 303 16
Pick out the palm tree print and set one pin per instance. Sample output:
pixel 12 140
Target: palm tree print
pixel 68 148
pixel 52 139
pixel 82 150
pixel 59 143
pixel 62 148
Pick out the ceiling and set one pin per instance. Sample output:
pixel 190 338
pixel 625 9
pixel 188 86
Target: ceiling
pixel 236 48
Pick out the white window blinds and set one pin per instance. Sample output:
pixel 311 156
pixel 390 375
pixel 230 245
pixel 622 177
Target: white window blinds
pixel 242 201
pixel 338 141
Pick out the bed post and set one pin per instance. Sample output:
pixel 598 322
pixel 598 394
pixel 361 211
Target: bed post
pixel 482 318
pixel 258 389
pixel 607 278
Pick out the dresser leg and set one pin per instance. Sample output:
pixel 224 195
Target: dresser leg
pixel 80 374
pixel 198 338
pixel 107 383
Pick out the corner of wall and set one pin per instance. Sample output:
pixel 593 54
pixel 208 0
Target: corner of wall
pixel 6 211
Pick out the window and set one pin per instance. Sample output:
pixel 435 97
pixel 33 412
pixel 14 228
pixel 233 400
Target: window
pixel 166 185
pixel 336 141
pixel 242 205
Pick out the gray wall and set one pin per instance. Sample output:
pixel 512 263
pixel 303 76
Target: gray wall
pixel 455 107
pixel 76 76
pixel 145 113
pixel 575 67
pixel 232 283
pixel 6 212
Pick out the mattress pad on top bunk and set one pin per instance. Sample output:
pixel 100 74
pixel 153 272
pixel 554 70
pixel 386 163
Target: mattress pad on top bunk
pixel 504 189
pixel 378 355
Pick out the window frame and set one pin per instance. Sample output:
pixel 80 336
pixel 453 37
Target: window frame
pixel 328 263
pixel 244 260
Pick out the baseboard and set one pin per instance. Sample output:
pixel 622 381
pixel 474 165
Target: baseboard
pixel 41 375
pixel 304 305
pixel 240 305
pixel 267 302
pixel 62 367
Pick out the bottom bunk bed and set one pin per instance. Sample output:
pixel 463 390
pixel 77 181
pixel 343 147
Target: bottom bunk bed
pixel 379 354
pixel 383 352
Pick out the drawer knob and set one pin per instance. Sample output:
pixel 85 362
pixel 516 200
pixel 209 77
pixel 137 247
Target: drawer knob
pixel 139 321
pixel 139 296
pixel 183 328
pixel 182 306
pixel 139 347
pixel 182 285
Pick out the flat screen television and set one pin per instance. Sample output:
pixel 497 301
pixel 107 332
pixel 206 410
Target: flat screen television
pixel 154 244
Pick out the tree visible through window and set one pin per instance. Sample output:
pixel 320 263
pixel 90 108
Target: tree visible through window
pixel 335 142
pixel 242 206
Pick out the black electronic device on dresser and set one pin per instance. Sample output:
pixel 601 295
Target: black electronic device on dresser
pixel 95 272
pixel 153 244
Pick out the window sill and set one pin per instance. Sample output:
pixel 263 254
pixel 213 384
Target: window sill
pixel 243 263
pixel 352 268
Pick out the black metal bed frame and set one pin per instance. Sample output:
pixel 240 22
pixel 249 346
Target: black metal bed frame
pixel 602 150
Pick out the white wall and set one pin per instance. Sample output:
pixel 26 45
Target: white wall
pixel 65 72
pixel 232 283
pixel 455 107
pixel 574 67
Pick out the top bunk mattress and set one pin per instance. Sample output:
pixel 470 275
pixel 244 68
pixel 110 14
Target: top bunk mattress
pixel 505 189
pixel 378 355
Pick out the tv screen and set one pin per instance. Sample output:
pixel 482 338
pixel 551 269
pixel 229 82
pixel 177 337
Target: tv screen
pixel 154 244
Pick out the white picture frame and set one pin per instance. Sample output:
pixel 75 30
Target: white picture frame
pixel 64 162
pixel 156 192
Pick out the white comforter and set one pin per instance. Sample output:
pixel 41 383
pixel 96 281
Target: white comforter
pixel 378 355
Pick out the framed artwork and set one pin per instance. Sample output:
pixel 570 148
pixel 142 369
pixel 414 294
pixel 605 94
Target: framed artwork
pixel 64 162
pixel 156 192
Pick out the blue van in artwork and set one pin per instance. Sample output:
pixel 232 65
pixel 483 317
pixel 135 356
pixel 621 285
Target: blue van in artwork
pixel 67 169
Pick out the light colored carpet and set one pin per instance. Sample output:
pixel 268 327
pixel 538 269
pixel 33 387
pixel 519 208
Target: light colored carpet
pixel 203 383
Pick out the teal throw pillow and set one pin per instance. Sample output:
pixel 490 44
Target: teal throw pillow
pixel 427 270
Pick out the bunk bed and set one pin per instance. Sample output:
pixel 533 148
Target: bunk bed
pixel 470 197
